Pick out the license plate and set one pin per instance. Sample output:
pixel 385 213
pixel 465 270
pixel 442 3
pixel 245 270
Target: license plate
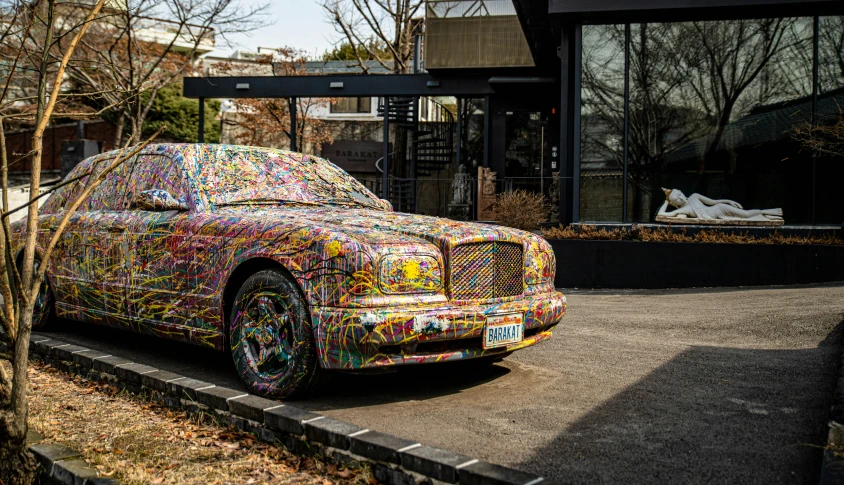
pixel 501 330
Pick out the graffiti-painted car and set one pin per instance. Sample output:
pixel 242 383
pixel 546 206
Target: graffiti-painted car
pixel 289 263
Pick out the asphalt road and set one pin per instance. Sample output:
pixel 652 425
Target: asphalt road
pixel 687 386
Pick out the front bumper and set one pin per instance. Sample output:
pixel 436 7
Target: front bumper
pixel 360 338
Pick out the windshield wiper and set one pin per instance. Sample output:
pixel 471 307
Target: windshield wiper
pixel 267 202
pixel 347 201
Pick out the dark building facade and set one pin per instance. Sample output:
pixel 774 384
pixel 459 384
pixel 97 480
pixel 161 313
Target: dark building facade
pixel 623 97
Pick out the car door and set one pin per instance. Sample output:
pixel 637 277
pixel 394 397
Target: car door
pixel 77 294
pixel 158 277
pixel 103 234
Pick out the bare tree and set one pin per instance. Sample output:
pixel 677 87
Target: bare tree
pixel 140 46
pixel 36 31
pixel 831 44
pixel 723 62
pixel 266 121
pixel 382 29
pixel 688 82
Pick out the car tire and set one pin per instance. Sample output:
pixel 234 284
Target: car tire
pixel 271 337
pixel 44 311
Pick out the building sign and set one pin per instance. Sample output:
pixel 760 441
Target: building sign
pixel 354 156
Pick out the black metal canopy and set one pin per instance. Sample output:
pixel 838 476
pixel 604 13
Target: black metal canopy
pixel 336 86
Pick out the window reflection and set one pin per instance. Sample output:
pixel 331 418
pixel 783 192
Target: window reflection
pixel 713 107
pixel 830 170
pixel 602 123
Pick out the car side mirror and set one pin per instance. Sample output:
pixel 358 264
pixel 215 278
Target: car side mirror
pixel 158 200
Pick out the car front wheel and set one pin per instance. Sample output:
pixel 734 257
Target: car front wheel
pixel 271 337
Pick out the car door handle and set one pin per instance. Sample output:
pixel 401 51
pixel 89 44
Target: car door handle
pixel 116 228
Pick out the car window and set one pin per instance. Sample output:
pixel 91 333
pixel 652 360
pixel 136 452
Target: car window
pixel 109 195
pixel 67 194
pixel 153 171
pixel 230 175
pixel 141 172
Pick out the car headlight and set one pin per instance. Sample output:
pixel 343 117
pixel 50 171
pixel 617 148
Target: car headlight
pixel 539 268
pixel 409 273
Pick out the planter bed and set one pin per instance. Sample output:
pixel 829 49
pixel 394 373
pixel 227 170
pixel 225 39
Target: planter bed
pixel 585 263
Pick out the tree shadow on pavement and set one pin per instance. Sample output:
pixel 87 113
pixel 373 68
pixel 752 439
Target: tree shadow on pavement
pixel 709 415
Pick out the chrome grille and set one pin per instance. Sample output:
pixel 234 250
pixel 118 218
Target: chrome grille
pixel 486 270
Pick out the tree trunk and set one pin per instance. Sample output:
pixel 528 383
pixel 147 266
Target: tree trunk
pixel 118 135
pixel 17 465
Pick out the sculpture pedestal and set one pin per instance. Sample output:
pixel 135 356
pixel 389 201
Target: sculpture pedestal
pixel 717 222
pixel 486 194
pixel 459 212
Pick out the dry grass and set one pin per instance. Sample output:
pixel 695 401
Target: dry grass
pixel 143 442
pixel 636 233
pixel 520 209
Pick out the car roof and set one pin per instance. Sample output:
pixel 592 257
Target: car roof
pixel 188 148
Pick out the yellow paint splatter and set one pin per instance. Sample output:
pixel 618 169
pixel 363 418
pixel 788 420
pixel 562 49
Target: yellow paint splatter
pixel 411 269
pixel 333 248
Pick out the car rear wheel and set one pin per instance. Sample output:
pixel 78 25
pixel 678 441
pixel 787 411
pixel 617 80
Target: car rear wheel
pixel 271 337
pixel 44 312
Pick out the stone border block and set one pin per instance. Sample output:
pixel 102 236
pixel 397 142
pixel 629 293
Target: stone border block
pixel 433 462
pixel 49 453
pixel 379 446
pixel 132 372
pixel 483 473
pixel 215 397
pixel 107 364
pixel 37 344
pixel 158 380
pixel 76 472
pixel 51 345
pixel 61 464
pixel 329 432
pixel 66 353
pixel 85 358
pixel 288 418
pixel 185 388
pixel 251 407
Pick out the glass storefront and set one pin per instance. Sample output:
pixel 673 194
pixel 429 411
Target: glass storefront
pixel 829 205
pixel 713 107
pixel 602 123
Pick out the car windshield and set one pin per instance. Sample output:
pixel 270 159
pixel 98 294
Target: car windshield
pixel 232 175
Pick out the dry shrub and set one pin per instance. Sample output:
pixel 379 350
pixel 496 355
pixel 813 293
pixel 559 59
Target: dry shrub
pixel 664 234
pixel 520 209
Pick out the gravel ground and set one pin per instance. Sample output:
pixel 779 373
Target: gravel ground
pixel 694 386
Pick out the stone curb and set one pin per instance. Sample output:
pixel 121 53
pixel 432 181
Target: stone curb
pixel 60 464
pixel 832 467
pixel 393 460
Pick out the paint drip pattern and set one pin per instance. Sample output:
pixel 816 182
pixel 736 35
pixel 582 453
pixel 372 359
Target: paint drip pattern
pixel 165 244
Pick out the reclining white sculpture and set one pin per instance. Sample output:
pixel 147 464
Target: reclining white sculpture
pixel 699 209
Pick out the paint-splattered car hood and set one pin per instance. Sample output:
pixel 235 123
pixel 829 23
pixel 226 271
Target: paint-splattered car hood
pixel 381 227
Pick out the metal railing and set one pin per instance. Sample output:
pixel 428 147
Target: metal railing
pixel 432 196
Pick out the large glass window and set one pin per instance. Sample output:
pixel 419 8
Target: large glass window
pixel 713 109
pixel 602 123
pixel 829 206
pixel 352 105
pixel 831 54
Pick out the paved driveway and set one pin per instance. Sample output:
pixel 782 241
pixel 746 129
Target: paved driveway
pixel 676 386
